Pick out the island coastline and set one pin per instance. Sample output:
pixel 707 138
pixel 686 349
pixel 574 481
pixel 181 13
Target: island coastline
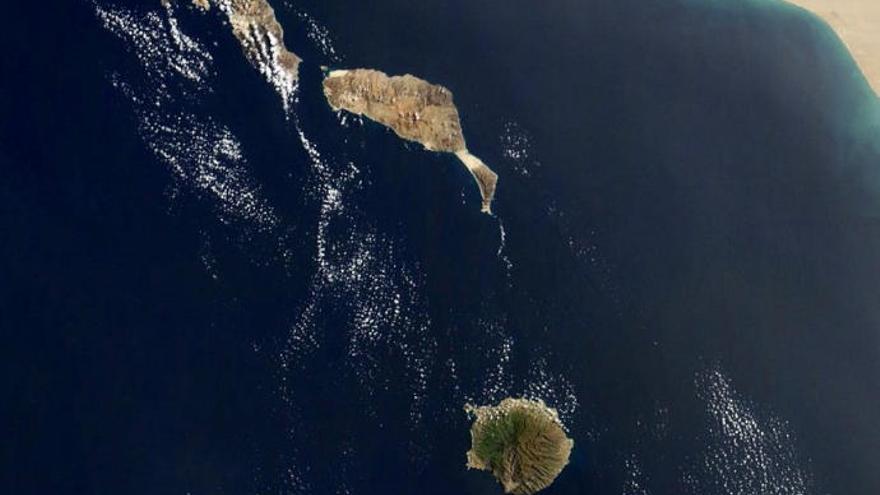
pixel 522 442
pixel 415 110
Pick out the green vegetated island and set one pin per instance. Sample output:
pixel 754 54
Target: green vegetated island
pixel 521 442
pixel 413 108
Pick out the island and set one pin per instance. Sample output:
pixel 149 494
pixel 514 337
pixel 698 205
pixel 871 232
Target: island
pixel 261 37
pixel 521 442
pixel 857 23
pixel 415 110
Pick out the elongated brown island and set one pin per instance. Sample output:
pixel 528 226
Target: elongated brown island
pixel 415 110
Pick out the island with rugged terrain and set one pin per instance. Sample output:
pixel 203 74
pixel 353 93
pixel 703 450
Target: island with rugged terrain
pixel 521 442
pixel 261 38
pixel 415 110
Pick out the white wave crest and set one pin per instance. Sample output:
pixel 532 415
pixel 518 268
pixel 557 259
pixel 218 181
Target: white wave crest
pixel 201 153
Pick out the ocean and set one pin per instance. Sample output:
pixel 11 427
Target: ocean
pixel 211 295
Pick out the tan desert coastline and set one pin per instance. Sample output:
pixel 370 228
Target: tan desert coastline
pixel 857 23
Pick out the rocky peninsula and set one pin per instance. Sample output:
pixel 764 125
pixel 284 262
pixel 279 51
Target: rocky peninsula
pixel 521 442
pixel 415 110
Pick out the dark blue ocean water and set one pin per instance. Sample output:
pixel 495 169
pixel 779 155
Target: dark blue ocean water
pixel 690 262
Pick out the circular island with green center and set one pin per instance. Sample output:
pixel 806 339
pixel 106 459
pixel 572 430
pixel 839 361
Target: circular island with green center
pixel 521 442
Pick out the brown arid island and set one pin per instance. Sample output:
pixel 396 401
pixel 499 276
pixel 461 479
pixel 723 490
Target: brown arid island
pixel 857 23
pixel 415 110
pixel 521 442
pixel 261 37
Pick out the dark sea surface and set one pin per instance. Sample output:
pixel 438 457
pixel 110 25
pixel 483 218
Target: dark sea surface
pixel 684 257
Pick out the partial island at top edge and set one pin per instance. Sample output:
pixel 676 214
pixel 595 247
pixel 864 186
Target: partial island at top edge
pixel 261 37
